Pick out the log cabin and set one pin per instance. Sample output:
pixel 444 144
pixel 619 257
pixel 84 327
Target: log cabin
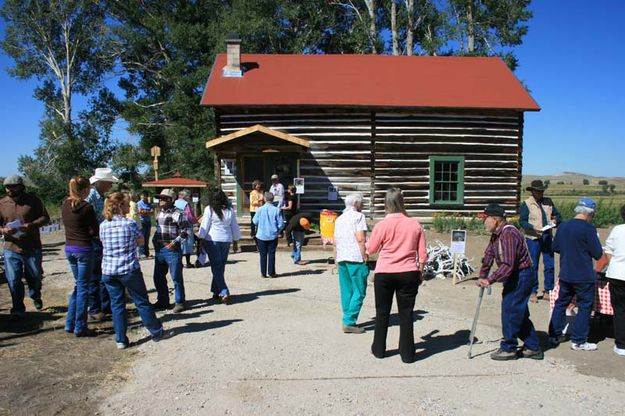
pixel 448 131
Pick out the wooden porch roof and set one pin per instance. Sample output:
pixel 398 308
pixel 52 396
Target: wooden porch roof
pixel 257 128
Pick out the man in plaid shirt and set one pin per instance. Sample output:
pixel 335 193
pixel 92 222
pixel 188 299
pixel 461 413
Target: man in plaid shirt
pixel 171 231
pixel 508 249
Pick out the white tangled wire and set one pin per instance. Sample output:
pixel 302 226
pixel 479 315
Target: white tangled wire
pixel 440 263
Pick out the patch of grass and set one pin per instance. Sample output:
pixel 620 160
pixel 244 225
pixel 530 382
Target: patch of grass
pixel 608 212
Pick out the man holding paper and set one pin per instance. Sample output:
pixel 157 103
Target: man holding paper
pixel 537 216
pixel 21 216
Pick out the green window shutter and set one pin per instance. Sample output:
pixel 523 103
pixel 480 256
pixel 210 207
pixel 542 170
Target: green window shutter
pixel 446 180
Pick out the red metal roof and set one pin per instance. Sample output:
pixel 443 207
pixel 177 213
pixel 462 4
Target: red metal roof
pixel 368 80
pixel 176 182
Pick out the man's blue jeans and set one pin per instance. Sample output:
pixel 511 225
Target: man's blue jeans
pixel 298 242
pixel 536 247
pixel 218 255
pixel 82 267
pixel 515 315
pixel 267 251
pixel 585 293
pixel 14 265
pixel 166 259
pixel 99 300
pixel 133 281
pixel 146 227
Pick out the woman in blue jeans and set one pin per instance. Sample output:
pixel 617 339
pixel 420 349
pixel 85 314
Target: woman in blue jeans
pixel 81 227
pixel 121 271
pixel 218 229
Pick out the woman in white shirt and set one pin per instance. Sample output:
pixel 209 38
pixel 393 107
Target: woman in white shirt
pixel 349 252
pixel 615 250
pixel 218 229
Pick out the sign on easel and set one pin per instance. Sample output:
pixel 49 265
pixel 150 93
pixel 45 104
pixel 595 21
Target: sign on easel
pixel 457 248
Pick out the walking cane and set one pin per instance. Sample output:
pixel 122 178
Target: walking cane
pixel 480 296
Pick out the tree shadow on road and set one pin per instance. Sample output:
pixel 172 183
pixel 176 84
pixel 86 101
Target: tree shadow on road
pixel 249 297
pixel 302 272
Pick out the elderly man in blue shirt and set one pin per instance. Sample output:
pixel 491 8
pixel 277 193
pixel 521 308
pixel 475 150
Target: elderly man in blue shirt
pixel 269 223
pixel 578 243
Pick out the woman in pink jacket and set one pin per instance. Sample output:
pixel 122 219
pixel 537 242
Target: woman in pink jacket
pixel 400 240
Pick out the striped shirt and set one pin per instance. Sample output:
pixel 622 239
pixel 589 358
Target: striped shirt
pixel 119 246
pixel 171 226
pixel 97 202
pixel 514 255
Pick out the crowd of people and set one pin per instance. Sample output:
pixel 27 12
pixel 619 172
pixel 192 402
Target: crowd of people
pixel 106 233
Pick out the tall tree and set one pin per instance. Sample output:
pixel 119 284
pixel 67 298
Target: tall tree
pixel 64 45
pixel 488 27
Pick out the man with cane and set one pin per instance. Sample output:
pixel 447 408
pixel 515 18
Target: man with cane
pixel 514 269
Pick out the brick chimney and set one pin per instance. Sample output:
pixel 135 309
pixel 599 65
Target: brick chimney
pixel 233 51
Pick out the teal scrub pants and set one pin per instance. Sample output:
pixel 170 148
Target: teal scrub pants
pixel 353 282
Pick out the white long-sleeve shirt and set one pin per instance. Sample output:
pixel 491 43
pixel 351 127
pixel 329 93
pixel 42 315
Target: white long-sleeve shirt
pixel 222 230
pixel 615 246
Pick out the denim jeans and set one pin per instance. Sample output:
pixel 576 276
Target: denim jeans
pixel 135 285
pixel 146 227
pixel 267 251
pixel 99 300
pixel 405 287
pixel 298 242
pixel 515 314
pixel 536 247
pixel 166 259
pixel 82 267
pixel 585 293
pixel 14 265
pixel 353 284
pixel 218 255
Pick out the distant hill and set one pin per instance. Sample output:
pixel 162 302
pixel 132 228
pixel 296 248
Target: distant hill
pixel 575 178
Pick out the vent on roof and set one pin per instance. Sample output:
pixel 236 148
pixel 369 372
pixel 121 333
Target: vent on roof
pixel 233 51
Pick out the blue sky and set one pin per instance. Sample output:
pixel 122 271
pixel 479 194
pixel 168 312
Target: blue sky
pixel 572 60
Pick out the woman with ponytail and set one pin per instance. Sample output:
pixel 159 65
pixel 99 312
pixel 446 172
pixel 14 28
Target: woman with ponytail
pixel 81 227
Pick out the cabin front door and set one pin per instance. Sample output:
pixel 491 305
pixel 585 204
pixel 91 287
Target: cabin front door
pixel 261 167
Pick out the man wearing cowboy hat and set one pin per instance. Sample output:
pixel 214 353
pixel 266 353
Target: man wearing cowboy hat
pixel 99 302
pixel 21 216
pixel 537 215
pixel 171 232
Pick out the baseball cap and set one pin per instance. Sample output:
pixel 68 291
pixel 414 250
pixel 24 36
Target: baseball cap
pixel 493 210
pixel 13 180
pixel 169 193
pixel 304 223
pixel 587 202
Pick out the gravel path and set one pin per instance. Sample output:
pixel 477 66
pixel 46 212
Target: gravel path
pixel 278 349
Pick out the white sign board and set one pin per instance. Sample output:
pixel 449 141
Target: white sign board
pixel 458 241
pixel 230 167
pixel 299 185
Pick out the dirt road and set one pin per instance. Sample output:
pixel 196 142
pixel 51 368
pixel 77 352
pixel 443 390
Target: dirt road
pixel 278 349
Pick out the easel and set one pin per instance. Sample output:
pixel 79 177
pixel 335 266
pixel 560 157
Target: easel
pixel 454 280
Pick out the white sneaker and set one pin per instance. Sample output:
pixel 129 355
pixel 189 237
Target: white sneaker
pixel 619 351
pixel 586 346
pixel 121 345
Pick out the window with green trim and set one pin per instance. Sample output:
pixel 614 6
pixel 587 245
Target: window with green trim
pixel 446 180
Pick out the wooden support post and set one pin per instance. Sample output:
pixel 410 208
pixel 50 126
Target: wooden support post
pixel 454 280
pixel 155 151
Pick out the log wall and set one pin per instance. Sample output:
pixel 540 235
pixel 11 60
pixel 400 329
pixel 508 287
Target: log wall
pixel 370 151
